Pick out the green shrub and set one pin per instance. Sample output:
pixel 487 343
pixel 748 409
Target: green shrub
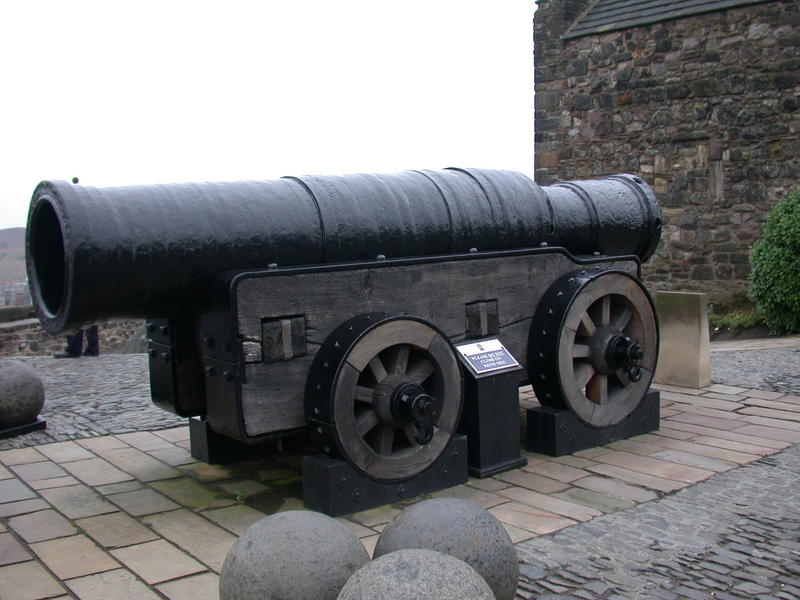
pixel 735 321
pixel 775 274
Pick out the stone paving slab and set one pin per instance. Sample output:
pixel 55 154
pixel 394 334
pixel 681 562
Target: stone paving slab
pixel 197 587
pixel 116 530
pixel 12 551
pixel 157 561
pixel 73 556
pixel 204 540
pixel 64 452
pixel 41 526
pixel 96 471
pixel 111 585
pixel 141 502
pixel 77 501
pixel 43 484
pixel 28 581
pixel 122 498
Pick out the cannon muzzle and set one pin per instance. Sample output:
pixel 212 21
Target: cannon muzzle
pixel 151 251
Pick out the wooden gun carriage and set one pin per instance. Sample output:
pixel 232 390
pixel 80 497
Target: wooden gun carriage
pixel 332 303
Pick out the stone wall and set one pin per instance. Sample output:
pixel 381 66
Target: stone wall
pixel 705 108
pixel 27 338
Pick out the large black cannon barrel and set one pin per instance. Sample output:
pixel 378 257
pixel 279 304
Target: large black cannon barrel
pixel 147 251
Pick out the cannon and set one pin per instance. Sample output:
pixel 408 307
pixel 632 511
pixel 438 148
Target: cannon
pixel 332 304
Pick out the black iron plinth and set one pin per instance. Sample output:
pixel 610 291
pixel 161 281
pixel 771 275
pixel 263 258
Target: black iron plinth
pixel 558 432
pixel 491 422
pixel 9 432
pixel 211 447
pixel 214 448
pixel 333 487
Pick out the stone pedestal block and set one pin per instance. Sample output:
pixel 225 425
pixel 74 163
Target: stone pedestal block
pixel 684 352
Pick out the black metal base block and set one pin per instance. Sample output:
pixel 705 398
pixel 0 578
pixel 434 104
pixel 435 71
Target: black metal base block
pixel 491 422
pixel 333 487
pixel 214 448
pixel 14 431
pixel 210 447
pixel 481 472
pixel 558 432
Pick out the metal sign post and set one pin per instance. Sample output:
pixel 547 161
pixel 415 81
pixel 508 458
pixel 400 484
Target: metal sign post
pixel 491 407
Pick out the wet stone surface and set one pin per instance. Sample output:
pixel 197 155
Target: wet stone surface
pixel 774 370
pixel 736 535
pixel 93 396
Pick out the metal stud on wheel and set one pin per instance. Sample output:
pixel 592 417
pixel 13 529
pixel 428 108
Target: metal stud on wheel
pixel 593 346
pixel 384 394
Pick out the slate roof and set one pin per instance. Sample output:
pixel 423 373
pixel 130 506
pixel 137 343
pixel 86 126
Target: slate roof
pixel 612 15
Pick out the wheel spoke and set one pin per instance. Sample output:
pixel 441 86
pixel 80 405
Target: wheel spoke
pixel 378 370
pixel 411 434
pixel 587 326
pixel 366 422
pixel 420 370
pixel 597 389
pixel 616 396
pixel 605 311
pixel 385 440
pixel 622 318
pixel 364 393
pixel 583 373
pixel 580 351
pixel 400 364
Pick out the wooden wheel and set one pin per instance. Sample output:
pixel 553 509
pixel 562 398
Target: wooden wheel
pixel 391 399
pixel 593 346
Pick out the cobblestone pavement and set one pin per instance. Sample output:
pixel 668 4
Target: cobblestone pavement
pixel 92 396
pixel 775 369
pixel 736 535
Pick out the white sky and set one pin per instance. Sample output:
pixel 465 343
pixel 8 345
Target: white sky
pixel 120 93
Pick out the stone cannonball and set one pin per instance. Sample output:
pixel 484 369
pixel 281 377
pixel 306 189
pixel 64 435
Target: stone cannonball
pixel 413 574
pixel 21 393
pixel 461 529
pixel 293 555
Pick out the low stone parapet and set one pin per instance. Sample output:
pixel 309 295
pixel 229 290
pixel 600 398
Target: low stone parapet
pixel 25 337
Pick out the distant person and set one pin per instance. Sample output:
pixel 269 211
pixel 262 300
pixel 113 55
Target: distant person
pixel 74 347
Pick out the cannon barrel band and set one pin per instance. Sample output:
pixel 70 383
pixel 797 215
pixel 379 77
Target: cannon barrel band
pixel 150 251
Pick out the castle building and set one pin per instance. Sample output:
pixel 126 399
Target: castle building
pixel 700 98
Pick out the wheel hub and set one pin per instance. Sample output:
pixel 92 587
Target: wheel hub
pixel 624 352
pixel 400 401
pixel 410 403
pixel 611 351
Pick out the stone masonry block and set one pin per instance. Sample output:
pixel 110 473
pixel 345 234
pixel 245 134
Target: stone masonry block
pixel 684 351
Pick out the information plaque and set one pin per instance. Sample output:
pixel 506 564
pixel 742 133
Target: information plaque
pixel 486 357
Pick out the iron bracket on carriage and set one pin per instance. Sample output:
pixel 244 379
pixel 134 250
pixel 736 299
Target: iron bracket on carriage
pixel 334 308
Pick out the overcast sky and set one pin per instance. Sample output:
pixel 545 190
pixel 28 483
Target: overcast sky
pixel 119 93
